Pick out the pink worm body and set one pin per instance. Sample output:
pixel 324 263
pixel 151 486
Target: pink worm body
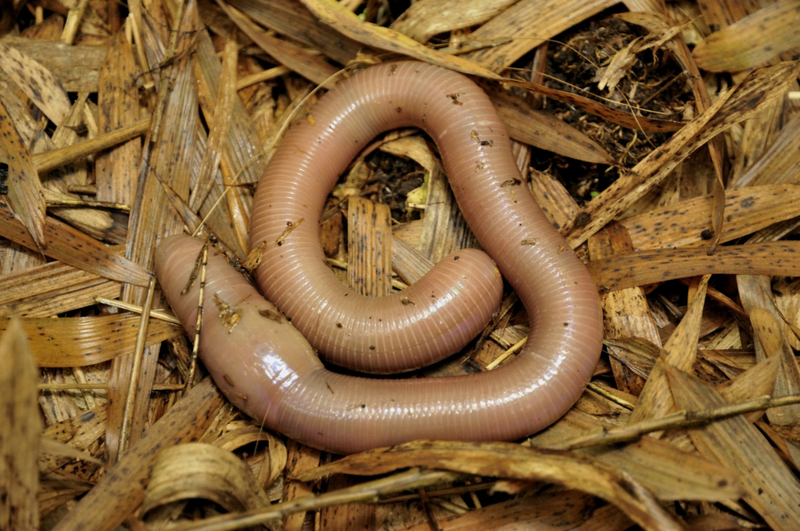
pixel 267 369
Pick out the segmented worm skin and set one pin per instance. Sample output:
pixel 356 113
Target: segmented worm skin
pixel 266 367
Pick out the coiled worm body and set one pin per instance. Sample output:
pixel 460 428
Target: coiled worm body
pixel 264 365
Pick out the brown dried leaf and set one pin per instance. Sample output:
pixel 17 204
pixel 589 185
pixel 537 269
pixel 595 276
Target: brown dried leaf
pixel 115 169
pixel 347 23
pixel 747 210
pixel 756 295
pixel 530 23
pixel 547 510
pixel 275 454
pixel 312 67
pixel 508 460
pixel 772 489
pixel 79 432
pixel 426 18
pixel 292 19
pixel 22 429
pixel 647 267
pixel 24 187
pixel 627 311
pixel 751 41
pixel 242 154
pixel 680 351
pixel 50 289
pixel 543 130
pixel 780 163
pixel 75 67
pixel 72 247
pixel 82 341
pixel 218 128
pixel 40 85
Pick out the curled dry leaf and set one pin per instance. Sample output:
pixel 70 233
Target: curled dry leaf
pixel 206 471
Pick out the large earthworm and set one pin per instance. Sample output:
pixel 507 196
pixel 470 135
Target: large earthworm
pixel 264 365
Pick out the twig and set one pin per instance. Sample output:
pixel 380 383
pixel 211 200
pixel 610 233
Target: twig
pixel 370 491
pixel 137 367
pixel 679 419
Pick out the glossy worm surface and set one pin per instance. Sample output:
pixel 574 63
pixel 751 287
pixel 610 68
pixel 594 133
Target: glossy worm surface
pixel 264 365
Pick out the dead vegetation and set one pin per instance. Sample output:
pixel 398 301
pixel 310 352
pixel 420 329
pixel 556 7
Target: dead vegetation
pixel 663 141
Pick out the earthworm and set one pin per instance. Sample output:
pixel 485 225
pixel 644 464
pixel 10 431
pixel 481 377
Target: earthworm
pixel 266 367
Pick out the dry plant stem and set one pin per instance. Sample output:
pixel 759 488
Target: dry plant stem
pixel 79 203
pixel 371 491
pixel 101 386
pixel 679 419
pixel 73 22
pixel 266 75
pixel 51 160
pixel 137 367
pixel 200 309
pixel 164 316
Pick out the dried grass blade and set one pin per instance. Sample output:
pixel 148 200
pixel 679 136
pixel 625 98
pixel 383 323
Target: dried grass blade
pixel 671 473
pixel 50 289
pixel 292 19
pixel 680 351
pixel 37 82
pixel 511 461
pixel 218 128
pixel 73 247
pixel 115 169
pixel 741 102
pixel 82 341
pixel 347 23
pixel 668 472
pixel 780 163
pixel 627 312
pixel 757 300
pixel 311 67
pixel 22 430
pixel 80 432
pixel 647 267
pixel 751 41
pixel 121 491
pixel 748 210
pixel 243 160
pixel 772 490
pixel 543 130
pixel 542 19
pixel 24 187
pixel 426 18
pixel 76 67
pixel 369 229
pixel 548 510
pixel 758 380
